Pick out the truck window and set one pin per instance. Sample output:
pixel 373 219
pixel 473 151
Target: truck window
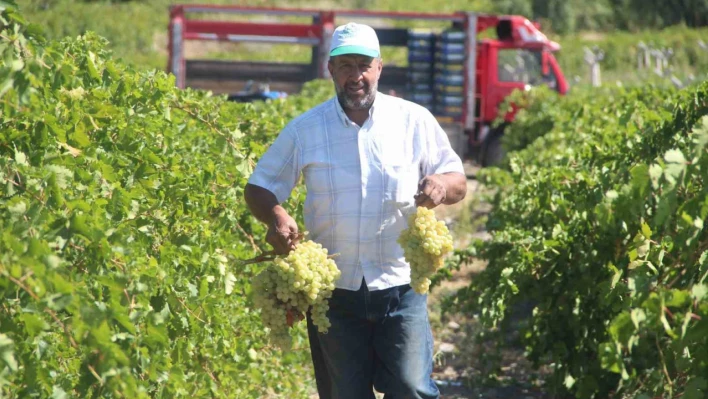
pixel 523 66
pixel 519 65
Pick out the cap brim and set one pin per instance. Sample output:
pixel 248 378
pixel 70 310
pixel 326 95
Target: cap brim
pixel 361 50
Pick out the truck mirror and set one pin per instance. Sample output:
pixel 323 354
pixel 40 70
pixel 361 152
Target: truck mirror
pixel 545 63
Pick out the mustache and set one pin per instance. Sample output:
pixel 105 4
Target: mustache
pixel 351 101
pixel 364 85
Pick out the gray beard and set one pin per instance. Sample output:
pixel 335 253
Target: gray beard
pixel 355 105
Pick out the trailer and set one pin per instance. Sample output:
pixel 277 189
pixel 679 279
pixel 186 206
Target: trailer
pixel 461 78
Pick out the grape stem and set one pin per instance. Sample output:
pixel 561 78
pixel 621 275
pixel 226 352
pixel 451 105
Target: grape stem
pixel 270 256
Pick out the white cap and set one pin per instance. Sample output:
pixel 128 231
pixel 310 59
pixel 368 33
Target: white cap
pixel 354 38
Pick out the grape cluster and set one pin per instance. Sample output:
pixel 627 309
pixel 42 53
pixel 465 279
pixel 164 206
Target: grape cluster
pixel 425 243
pixel 301 281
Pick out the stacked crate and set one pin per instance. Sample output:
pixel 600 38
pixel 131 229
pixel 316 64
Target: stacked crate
pixel 448 78
pixel 421 58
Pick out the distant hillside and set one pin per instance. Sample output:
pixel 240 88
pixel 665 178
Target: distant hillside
pixel 137 30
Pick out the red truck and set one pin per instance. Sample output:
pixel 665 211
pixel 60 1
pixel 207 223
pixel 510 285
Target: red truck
pixel 459 77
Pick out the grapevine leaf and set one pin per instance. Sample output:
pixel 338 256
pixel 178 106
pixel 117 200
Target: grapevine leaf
pixel 6 352
pixel 696 388
pixel 674 156
pixel 58 393
pixel 646 231
pixel 21 158
pixel 699 291
pixel 638 316
pixel 678 298
pixel 229 282
pixel 655 173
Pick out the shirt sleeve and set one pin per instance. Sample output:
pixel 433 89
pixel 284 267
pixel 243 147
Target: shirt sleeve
pixel 439 155
pixel 278 169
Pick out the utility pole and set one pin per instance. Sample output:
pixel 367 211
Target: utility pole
pixel 643 56
pixel 593 58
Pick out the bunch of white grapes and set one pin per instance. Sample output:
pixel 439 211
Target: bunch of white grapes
pixel 301 281
pixel 425 243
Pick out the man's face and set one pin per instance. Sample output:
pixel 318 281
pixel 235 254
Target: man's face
pixel 356 79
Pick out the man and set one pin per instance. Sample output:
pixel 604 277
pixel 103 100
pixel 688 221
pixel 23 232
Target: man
pixel 367 159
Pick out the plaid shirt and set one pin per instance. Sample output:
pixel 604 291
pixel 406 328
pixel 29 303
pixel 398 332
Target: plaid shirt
pixel 360 181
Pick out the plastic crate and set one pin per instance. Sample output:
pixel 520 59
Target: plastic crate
pixel 415 88
pixel 453 36
pixel 420 77
pixel 420 67
pixel 454 112
pixel 421 57
pixel 449 68
pixel 449 80
pixel 449 100
pixel 421 45
pixel 453 58
pixel 414 34
pixel 443 47
pixel 448 90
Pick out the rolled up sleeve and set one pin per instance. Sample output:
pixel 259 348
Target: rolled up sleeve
pixel 439 155
pixel 278 169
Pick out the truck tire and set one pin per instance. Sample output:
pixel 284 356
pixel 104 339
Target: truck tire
pixel 493 152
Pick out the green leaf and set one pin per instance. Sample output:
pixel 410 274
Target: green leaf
pixel 7 353
pixel 638 316
pixel 91 64
pixel 621 328
pixel 6 85
pixel 33 323
pixel 696 388
pixel 667 326
pixel 641 179
pixel 699 291
pixel 58 393
pixel 5 4
pixel 678 298
pixel 229 282
pixel 79 138
pixel 17 207
pixel 21 158
pixel 655 173
pixel 125 322
pixel 675 156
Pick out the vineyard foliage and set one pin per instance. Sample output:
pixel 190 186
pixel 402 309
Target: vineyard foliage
pixel 121 226
pixel 598 227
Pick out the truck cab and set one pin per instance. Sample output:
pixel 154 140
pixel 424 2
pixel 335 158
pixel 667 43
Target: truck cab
pixel 509 64
pixel 459 77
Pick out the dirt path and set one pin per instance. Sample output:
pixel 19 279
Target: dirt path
pixel 465 368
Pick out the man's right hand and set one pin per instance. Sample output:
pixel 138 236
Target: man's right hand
pixel 293 316
pixel 282 233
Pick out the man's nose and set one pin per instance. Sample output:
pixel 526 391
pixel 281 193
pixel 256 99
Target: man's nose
pixel 356 74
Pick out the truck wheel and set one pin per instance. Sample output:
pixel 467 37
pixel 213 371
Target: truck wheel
pixel 493 150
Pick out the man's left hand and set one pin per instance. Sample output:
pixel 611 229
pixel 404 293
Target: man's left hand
pixel 431 192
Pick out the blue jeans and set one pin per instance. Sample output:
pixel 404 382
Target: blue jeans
pixel 378 339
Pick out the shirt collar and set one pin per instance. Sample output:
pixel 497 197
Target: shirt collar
pixel 343 116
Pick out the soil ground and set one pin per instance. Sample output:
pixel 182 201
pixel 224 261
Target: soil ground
pixel 465 367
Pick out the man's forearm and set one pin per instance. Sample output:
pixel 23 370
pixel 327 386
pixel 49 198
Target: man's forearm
pixel 262 203
pixel 455 187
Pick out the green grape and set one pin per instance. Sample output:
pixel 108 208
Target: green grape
pixel 301 281
pixel 425 243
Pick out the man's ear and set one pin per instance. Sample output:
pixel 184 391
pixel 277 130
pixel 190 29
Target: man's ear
pixel 330 67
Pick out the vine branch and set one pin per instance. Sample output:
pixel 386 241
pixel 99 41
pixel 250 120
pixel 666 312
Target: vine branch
pixel 46 309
